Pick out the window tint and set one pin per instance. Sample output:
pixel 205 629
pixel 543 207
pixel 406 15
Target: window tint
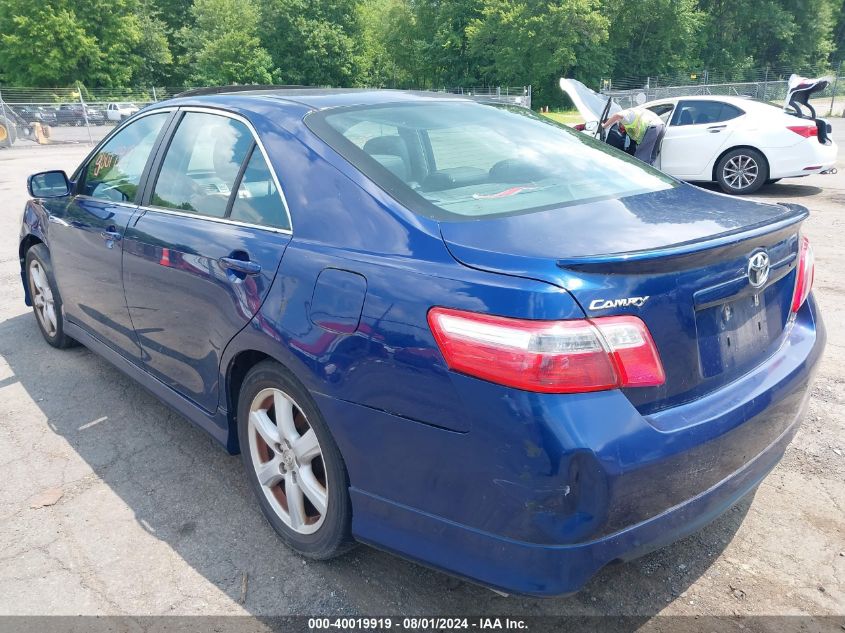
pixel 703 112
pixel 486 160
pixel 115 171
pixel 202 162
pixel 258 201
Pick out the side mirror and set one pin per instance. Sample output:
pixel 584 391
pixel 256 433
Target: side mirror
pixel 48 184
pixel 591 126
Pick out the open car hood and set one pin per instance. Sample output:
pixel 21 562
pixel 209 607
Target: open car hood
pixel 589 103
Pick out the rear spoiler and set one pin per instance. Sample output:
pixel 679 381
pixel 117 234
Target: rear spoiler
pixel 657 257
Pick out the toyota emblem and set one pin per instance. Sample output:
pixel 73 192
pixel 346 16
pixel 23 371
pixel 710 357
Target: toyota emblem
pixel 758 269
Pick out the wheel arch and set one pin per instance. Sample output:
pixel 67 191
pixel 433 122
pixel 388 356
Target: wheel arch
pixel 236 371
pixel 27 243
pixel 732 148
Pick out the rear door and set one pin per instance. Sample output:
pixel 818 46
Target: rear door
pixel 698 130
pixel 201 255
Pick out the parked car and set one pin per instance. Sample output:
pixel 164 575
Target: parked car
pixel 120 111
pixel 454 331
pixel 13 126
pixel 74 114
pixel 737 142
pixel 37 114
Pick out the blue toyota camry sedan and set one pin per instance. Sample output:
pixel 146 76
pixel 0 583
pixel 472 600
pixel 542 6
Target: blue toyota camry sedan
pixel 454 331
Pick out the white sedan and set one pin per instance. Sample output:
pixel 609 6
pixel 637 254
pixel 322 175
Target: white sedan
pixel 120 111
pixel 737 142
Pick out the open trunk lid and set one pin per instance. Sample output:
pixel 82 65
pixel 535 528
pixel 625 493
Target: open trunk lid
pixel 678 259
pixel 799 92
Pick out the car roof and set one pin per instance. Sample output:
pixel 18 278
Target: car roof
pixel 726 98
pixel 314 98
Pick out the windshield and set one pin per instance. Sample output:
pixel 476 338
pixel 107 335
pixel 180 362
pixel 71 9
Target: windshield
pixel 458 160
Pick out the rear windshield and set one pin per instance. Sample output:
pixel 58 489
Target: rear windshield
pixel 459 160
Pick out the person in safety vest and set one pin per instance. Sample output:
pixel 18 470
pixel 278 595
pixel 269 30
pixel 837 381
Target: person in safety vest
pixel 643 127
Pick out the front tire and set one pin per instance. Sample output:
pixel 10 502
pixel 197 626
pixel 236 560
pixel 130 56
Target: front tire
pixel 46 300
pixel 293 464
pixel 742 171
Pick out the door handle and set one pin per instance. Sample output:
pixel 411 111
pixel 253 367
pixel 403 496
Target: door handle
pixel 715 129
pixel 239 265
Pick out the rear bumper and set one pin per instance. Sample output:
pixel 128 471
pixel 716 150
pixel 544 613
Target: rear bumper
pixel 546 570
pixel 786 163
pixel 545 490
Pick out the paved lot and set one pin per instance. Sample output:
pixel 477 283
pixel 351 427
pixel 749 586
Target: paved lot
pixel 152 518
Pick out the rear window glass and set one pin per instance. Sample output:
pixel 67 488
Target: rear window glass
pixel 456 160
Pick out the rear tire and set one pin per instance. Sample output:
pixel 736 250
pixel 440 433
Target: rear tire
pixel 772 181
pixel 46 300
pixel 292 463
pixel 742 171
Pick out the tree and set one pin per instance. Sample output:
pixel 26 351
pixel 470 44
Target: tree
pixel 839 35
pixel 312 42
pixel 44 44
pixel 377 61
pixel 654 37
pixel 743 34
pixel 534 42
pixel 97 42
pixel 153 49
pixel 223 45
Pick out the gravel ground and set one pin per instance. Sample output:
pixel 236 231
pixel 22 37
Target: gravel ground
pixel 112 504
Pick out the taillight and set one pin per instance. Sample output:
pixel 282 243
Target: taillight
pixel 804 274
pixel 548 356
pixel 579 127
pixel 807 131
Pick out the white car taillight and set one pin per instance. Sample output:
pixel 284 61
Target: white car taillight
pixel 804 273
pixel 807 131
pixel 548 356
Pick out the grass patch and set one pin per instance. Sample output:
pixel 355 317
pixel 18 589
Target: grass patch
pixel 569 117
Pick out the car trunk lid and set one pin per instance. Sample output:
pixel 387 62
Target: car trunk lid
pixel 678 259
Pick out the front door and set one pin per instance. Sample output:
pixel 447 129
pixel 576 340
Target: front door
pixel 86 237
pixel 201 255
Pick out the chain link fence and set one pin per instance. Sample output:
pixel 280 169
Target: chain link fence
pixel 34 117
pixel 766 84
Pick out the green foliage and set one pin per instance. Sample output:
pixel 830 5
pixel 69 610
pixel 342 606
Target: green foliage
pixel 644 45
pixel 312 42
pixel 42 44
pixel 742 34
pixel 223 44
pixel 101 42
pixel 408 43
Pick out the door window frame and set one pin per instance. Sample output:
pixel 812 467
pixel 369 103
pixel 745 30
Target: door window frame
pixel 671 116
pixel 154 168
pixel 686 100
pixel 78 177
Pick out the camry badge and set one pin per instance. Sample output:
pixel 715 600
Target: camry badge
pixel 606 304
pixel 758 269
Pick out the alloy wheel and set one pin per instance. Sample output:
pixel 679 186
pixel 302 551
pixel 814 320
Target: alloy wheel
pixel 42 298
pixel 288 461
pixel 740 171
